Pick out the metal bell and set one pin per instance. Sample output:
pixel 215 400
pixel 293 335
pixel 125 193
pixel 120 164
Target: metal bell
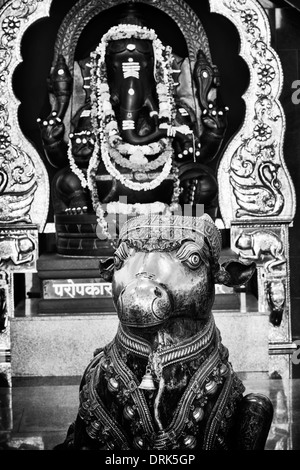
pixel 147 382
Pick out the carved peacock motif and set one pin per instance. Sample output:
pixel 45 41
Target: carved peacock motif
pixel 260 195
pixel 18 184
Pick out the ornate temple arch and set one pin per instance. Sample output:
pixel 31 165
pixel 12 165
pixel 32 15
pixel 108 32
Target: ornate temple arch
pixel 256 194
pixel 85 10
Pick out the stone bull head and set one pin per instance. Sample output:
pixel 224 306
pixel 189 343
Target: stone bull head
pixel 165 268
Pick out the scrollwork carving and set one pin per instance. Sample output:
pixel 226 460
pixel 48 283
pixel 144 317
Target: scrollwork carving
pixel 261 193
pixel 18 249
pixel 251 184
pixel 18 183
pixel 24 186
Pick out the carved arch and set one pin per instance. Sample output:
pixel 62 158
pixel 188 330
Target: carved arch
pixel 254 182
pixel 24 185
pixel 85 10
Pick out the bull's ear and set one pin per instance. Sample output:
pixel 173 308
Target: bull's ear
pixel 235 273
pixel 106 268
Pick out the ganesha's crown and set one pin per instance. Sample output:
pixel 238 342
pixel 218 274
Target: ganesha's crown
pixel 173 228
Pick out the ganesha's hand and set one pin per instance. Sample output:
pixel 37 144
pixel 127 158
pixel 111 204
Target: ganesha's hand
pixel 214 118
pixel 187 146
pixel 82 144
pixel 52 129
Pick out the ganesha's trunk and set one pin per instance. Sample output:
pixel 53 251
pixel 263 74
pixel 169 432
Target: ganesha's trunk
pixel 132 137
pixel 137 96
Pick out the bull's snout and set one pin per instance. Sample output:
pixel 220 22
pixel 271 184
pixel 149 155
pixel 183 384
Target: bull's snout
pixel 143 303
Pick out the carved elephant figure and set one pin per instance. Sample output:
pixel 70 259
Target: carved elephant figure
pixel 165 381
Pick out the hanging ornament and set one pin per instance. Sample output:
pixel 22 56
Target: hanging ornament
pixel 147 382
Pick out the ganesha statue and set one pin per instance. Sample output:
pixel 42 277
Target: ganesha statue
pixel 165 381
pixel 145 134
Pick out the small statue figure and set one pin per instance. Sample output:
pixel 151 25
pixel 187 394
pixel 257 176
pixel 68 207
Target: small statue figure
pixel 259 243
pixel 18 249
pixel 165 381
pixel 143 131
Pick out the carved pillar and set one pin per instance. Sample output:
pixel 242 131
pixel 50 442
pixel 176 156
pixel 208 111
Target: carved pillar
pixel 24 186
pixel 267 244
pixel 256 193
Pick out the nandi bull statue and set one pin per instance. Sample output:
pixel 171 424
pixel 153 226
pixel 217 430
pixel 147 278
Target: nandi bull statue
pixel 165 381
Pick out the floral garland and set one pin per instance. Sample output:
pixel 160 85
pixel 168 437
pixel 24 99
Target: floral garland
pixel 78 172
pixel 137 161
pixel 104 119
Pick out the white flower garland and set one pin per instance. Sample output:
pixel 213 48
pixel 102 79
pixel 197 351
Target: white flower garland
pixel 102 109
pixel 78 172
pixel 135 186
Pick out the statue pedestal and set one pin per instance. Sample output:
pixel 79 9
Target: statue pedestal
pixel 58 345
pixel 246 337
pixel 62 345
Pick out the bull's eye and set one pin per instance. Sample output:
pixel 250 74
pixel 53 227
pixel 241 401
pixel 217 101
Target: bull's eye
pixel 194 260
pixel 189 254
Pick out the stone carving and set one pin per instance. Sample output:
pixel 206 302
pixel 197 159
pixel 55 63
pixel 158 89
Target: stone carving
pixel 253 179
pixel 260 192
pixel 18 249
pixel 24 183
pixel 259 243
pixel 268 250
pixel 164 382
pixel 18 184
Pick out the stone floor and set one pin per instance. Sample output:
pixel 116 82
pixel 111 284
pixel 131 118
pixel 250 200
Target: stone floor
pixel 36 412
